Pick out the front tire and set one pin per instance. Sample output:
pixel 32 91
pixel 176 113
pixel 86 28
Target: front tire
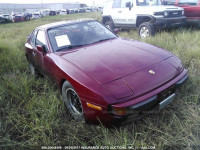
pixel 72 102
pixel 32 69
pixel 110 25
pixel 146 29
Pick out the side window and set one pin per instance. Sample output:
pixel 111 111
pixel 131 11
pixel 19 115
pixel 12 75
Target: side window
pixel 117 4
pixel 124 2
pixel 40 40
pixel 33 37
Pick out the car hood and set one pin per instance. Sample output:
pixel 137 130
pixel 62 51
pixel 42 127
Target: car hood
pixel 113 59
pixel 124 63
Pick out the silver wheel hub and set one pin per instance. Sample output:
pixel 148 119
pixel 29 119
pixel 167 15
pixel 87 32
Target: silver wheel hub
pixel 108 26
pixel 74 102
pixel 144 32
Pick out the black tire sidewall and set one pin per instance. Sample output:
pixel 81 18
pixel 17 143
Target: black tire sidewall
pixel 150 27
pixel 65 86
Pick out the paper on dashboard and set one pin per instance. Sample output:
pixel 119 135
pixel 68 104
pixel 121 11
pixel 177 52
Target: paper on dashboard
pixel 62 40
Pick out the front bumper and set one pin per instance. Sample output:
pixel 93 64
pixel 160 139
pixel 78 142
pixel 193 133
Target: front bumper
pixel 151 105
pixel 169 22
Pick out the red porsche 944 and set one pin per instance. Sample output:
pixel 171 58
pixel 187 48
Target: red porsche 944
pixel 102 76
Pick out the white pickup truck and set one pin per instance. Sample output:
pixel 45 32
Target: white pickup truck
pixel 144 15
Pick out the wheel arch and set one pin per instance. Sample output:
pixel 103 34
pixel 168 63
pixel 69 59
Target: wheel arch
pixel 106 18
pixel 60 84
pixel 144 18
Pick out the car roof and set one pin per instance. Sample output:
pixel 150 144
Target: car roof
pixel 66 22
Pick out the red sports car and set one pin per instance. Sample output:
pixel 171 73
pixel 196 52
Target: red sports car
pixel 18 18
pixel 102 76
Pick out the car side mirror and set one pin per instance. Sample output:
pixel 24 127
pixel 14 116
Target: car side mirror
pixel 128 5
pixel 41 48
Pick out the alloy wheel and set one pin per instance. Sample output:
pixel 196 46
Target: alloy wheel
pixel 144 32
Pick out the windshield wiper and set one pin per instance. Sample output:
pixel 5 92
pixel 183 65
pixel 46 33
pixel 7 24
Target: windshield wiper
pixel 70 47
pixel 74 46
pixel 103 40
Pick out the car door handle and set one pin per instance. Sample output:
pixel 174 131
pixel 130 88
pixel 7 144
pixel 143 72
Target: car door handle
pixel 119 11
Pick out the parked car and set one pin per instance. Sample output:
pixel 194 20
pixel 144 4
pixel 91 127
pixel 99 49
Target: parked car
pixel 36 15
pixel 52 13
pixel 115 81
pixel 75 10
pixel 94 9
pixel 7 18
pixel 81 10
pixel 2 19
pixel 146 16
pixel 63 12
pixel 71 11
pixel 44 12
pixel 27 16
pixel 58 12
pixel 87 9
pixel 100 9
pixel 18 18
pixel 191 7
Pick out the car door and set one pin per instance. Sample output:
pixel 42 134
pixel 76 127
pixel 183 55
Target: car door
pixel 41 58
pixel 30 47
pixel 122 14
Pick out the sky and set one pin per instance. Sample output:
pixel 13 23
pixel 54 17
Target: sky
pixel 88 2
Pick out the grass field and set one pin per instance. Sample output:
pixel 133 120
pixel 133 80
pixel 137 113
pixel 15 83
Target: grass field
pixel 32 113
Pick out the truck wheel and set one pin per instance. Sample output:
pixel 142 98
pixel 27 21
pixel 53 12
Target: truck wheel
pixel 146 29
pixel 110 25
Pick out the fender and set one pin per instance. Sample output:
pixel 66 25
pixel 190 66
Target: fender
pixel 144 18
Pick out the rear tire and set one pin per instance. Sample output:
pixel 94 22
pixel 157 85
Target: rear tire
pixel 110 25
pixel 146 29
pixel 72 102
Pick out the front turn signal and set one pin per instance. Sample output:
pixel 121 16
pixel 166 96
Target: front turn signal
pixel 94 106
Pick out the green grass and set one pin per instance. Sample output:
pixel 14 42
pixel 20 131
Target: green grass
pixel 32 113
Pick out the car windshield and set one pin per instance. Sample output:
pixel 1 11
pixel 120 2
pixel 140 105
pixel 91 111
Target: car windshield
pixel 148 2
pixel 77 35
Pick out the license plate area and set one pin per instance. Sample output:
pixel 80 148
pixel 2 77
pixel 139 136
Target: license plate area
pixel 166 93
pixel 166 101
